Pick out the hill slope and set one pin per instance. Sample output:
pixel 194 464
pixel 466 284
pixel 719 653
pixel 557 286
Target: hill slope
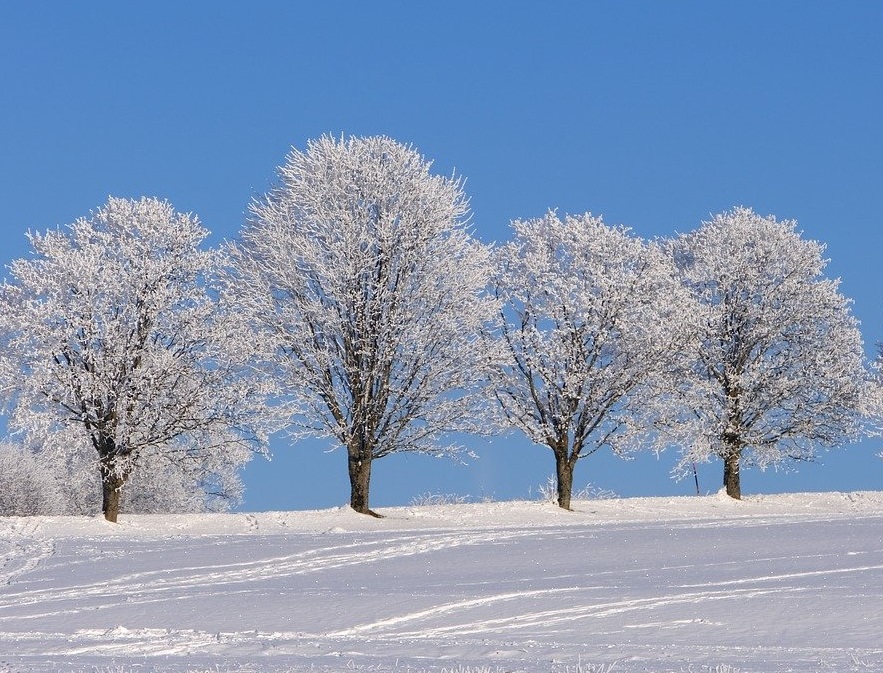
pixel 773 583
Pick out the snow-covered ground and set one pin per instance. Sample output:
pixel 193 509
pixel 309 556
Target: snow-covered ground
pixel 773 583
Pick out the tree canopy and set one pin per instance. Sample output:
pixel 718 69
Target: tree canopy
pixel 112 339
pixel 594 322
pixel 365 287
pixel 779 368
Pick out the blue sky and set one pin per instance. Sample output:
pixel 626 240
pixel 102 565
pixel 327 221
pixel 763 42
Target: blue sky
pixel 652 114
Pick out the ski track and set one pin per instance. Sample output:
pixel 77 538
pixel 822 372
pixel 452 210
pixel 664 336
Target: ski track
pixel 145 586
pixel 21 549
pixel 571 614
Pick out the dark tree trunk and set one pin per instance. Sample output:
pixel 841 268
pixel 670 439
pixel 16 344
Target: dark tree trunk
pixel 564 477
pixel 112 477
pixel 731 474
pixel 111 491
pixel 565 461
pixel 360 481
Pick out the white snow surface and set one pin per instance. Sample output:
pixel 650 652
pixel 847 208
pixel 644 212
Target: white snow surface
pixel 772 583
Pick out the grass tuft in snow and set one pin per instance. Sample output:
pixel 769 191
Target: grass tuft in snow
pixel 428 499
pixel 583 667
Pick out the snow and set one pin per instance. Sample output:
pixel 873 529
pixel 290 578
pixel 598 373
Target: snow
pixel 772 583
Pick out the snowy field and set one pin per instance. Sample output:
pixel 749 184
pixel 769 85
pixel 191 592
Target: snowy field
pixel 773 583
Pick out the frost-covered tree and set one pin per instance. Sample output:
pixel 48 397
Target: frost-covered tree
pixel 161 481
pixel 366 290
pixel 77 478
pixel 873 410
pixel 594 322
pixel 109 330
pixel 26 487
pixel 779 368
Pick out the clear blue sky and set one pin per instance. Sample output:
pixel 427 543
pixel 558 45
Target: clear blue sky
pixel 653 114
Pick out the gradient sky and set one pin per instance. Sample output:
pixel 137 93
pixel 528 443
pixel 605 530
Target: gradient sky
pixel 653 114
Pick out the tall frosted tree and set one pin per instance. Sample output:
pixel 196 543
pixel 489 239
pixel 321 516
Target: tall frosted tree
pixel 365 287
pixel 594 326
pixel 112 340
pixel 779 369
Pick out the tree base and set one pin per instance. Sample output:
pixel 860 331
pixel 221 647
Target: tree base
pixel 369 512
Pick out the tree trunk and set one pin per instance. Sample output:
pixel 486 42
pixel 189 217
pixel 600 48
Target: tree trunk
pixel 360 481
pixel 111 490
pixel 112 478
pixel 731 474
pixel 564 478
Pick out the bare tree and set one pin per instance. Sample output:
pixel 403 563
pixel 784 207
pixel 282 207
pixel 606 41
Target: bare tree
pixel 593 327
pixel 779 368
pixel 366 289
pixel 110 334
